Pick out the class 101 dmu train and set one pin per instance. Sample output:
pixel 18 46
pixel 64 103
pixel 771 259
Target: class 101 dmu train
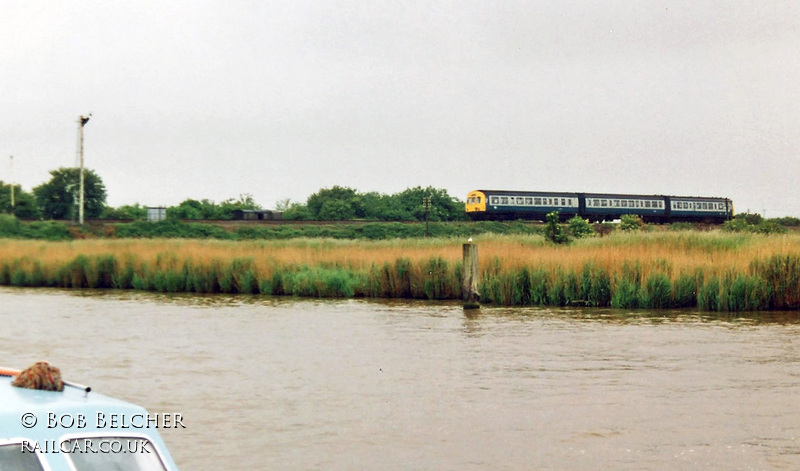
pixel 596 207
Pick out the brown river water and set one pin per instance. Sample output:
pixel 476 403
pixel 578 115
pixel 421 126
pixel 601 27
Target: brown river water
pixel 288 384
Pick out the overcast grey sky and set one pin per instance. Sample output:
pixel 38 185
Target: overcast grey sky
pixel 213 99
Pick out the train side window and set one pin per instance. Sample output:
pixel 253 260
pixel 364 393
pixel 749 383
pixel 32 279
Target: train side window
pixel 528 200
pixel 596 203
pixel 495 200
pixel 537 201
pixel 504 200
pixel 520 200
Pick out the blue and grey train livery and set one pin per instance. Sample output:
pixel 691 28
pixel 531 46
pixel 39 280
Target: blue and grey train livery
pixel 535 205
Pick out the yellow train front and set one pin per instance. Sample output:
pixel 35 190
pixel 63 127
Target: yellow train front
pixel 476 205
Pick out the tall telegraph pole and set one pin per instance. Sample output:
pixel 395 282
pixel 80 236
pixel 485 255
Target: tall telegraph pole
pixel 11 169
pixel 82 120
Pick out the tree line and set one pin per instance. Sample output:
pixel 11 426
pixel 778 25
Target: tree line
pixel 57 199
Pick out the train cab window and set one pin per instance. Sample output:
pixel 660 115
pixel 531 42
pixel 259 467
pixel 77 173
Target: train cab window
pixel 478 200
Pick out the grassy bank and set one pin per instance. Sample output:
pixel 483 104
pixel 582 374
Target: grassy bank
pixel 710 271
pixel 13 228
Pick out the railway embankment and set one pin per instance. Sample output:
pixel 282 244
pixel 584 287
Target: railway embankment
pixel 708 271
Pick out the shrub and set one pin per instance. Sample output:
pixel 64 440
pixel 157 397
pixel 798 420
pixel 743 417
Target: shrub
pixel 9 226
pixel 631 222
pixel 553 230
pixel 580 228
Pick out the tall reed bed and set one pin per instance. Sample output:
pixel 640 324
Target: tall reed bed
pixel 710 271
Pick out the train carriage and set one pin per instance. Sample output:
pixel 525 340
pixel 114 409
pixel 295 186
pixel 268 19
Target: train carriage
pixel 700 209
pixel 607 207
pixel 510 205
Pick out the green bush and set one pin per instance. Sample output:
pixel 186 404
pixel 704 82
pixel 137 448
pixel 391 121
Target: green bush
pixel 553 230
pixel 9 226
pixel 580 228
pixel 631 222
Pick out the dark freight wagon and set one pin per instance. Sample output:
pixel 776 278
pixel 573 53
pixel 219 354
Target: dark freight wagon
pixel 257 215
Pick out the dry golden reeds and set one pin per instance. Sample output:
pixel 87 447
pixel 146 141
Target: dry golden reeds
pixel 714 271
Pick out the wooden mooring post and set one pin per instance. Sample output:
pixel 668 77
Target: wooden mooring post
pixel 470 278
